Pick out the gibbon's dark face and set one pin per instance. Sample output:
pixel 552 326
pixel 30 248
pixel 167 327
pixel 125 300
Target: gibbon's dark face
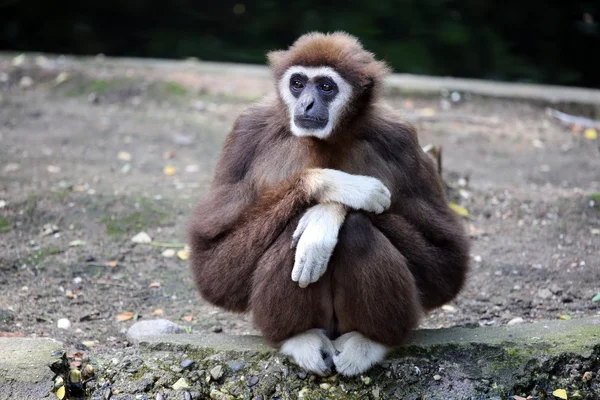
pixel 315 98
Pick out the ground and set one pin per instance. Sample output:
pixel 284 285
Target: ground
pixel 84 157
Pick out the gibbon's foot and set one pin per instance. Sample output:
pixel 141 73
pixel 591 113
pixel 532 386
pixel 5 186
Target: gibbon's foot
pixel 311 350
pixel 355 353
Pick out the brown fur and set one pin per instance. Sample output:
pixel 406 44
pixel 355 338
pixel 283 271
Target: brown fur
pixel 386 269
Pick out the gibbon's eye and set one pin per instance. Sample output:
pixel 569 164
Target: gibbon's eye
pixel 296 84
pixel 326 87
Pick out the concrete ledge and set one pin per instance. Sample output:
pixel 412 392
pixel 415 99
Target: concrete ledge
pixel 396 83
pixel 25 367
pixel 454 363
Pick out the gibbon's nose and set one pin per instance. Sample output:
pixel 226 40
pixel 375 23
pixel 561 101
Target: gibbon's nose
pixel 309 106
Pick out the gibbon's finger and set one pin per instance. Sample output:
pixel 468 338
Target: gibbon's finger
pixel 302 224
pixel 298 264
pixel 310 264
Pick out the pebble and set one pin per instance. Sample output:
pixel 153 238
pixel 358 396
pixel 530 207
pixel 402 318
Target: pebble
pixel 587 376
pixel 63 323
pixel 90 259
pixel 26 82
pixel 515 321
pixel 159 397
pixel 168 253
pixel 253 380
pixel 180 384
pixel 141 237
pixel 217 329
pixel 302 375
pixel 544 294
pixel 77 280
pixel 325 386
pixel 152 327
pixel 437 377
pixel 187 363
pixel 216 372
pixel 238 365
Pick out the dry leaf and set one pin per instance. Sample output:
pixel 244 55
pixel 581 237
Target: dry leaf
pixel 590 134
pixel 184 253
pixel 463 212
pixel 60 393
pixel 188 318
pixel 124 156
pixel 154 285
pixel 76 243
pixel 112 263
pixel 565 317
pixel 169 170
pixel 158 312
pixel 125 316
pixel 89 343
pixel 427 112
pixel 560 393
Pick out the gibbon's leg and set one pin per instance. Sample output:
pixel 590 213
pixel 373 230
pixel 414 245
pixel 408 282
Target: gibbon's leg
pixel 374 294
pixel 280 308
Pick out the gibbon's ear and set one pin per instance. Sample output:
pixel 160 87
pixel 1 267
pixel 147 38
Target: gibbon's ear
pixel 370 82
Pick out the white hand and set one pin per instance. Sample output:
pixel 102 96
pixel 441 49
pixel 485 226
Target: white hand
pixel 355 191
pixel 316 236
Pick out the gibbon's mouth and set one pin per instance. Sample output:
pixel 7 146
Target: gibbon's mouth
pixel 310 122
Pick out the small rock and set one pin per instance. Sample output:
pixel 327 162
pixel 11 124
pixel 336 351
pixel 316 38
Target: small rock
pixel 124 156
pixel 555 289
pixel 159 397
pixel 236 366
pixel 141 237
pixel 544 294
pixel 448 308
pixel 69 294
pixel 63 323
pixel 187 363
pixel 325 386
pixel 53 169
pixel 477 259
pixel 515 321
pixel 366 380
pixel 168 253
pixel 253 380
pixel 6 316
pixel 77 280
pixel 587 376
pixel 141 329
pixel 437 377
pixel 217 329
pixel 180 384
pixel 216 372
pixel 302 375
pixel 89 259
pixel 26 82
pixel 12 167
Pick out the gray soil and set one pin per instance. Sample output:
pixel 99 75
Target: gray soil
pixel 530 186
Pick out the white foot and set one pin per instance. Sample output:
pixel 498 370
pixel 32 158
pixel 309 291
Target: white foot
pixel 311 350
pixel 356 353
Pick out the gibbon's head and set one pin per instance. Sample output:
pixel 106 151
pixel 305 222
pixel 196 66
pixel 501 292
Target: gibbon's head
pixel 324 79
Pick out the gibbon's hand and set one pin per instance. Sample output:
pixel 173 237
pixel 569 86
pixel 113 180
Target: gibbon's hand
pixel 316 236
pixel 358 192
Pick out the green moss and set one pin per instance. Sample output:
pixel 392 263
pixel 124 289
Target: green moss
pixel 146 215
pixel 4 225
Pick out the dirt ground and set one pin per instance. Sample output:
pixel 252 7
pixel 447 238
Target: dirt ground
pixel 83 152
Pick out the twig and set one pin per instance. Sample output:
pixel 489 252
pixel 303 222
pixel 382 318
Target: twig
pixel 168 245
pixel 569 119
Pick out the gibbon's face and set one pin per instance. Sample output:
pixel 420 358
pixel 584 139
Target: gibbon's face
pixel 315 97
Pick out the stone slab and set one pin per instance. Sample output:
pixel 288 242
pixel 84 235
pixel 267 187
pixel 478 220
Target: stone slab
pixel 24 367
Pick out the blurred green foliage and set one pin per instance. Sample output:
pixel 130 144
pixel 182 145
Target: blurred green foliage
pixel 532 41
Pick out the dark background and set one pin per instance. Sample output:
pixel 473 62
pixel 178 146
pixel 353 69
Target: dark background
pixel 542 41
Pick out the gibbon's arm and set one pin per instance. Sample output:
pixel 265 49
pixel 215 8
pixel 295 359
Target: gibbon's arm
pixel 235 224
pixel 429 234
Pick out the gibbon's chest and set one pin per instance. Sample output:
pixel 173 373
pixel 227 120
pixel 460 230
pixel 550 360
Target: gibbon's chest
pixel 279 163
